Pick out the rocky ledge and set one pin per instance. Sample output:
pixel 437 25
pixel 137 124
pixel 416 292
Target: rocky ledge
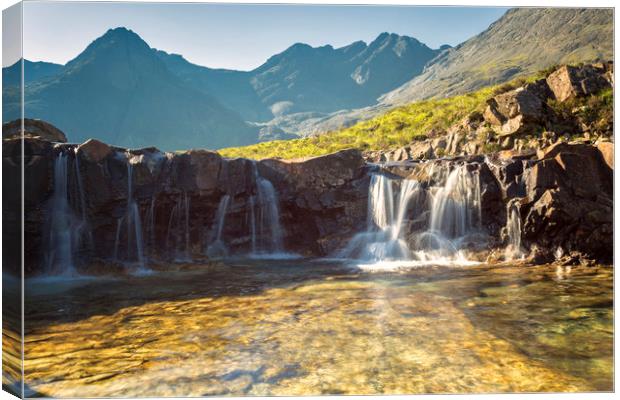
pixel 102 208
pixel 563 197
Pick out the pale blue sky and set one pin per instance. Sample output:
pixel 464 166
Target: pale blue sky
pixel 239 36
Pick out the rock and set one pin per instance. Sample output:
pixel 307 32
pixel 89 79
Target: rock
pixel 569 82
pixel 607 151
pixel 317 172
pixel 33 128
pixel 94 150
pixel 400 154
pixel 518 111
pixel 422 150
pixel 569 200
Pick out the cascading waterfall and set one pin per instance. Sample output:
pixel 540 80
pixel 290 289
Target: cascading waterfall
pixel 383 239
pixel 178 234
pixel 454 215
pixel 253 223
pixel 266 230
pixel 68 227
pixel 133 225
pixel 217 248
pixel 514 249
pixel 59 253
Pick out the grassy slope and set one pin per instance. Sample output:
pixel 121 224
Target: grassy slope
pixel 403 125
pixel 393 129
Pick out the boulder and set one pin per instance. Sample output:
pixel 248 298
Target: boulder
pixel 569 201
pixel 33 128
pixel 569 82
pixel 518 111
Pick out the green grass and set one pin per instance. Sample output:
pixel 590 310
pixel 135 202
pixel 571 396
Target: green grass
pixel 393 129
pixel 396 128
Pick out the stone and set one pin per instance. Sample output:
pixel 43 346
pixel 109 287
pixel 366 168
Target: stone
pixel 518 111
pixel 607 151
pixel 569 82
pixel 94 150
pixel 33 128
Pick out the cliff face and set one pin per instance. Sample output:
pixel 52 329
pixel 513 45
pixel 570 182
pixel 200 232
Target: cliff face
pixel 177 195
pixel 117 207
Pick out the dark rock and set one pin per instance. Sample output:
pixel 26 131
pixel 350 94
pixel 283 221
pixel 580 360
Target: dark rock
pixel 33 128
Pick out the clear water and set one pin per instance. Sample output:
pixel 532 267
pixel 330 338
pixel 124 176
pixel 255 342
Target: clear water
pixel 303 327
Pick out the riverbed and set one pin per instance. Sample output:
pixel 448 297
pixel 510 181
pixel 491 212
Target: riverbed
pixel 311 327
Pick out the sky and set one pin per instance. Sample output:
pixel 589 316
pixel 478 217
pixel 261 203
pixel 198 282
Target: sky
pixel 237 36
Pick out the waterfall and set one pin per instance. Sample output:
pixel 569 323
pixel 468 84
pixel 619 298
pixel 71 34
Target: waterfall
pixel 178 234
pixel 59 252
pixel 217 248
pixel 266 231
pixel 383 239
pixel 150 225
pixel 68 231
pixel 253 223
pixel 514 249
pixel 452 214
pixel 133 224
pixel 456 205
pixel 269 215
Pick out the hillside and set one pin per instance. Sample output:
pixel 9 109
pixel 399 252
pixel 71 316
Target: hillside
pixel 521 42
pixel 427 121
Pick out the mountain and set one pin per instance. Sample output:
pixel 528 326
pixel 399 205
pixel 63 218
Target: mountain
pixel 231 88
pixel 324 79
pixel 118 90
pixel 521 42
pixel 310 79
pixel 33 71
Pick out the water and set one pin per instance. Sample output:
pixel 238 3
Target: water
pixel 514 249
pixel 292 328
pixel 383 239
pixel 217 249
pixel 452 209
pixel 134 251
pixel 252 205
pixel 59 252
pixel 178 239
pixel 455 210
pixel 69 232
pixel 268 238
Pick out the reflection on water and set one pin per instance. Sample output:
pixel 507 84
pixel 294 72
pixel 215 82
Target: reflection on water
pixel 290 327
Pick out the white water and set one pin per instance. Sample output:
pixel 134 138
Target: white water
pixel 265 228
pixel 178 233
pixel 514 249
pixel 218 249
pixel 134 253
pixel 59 251
pixel 454 210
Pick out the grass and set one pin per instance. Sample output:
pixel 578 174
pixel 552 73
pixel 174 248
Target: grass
pixel 396 128
pixel 393 129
